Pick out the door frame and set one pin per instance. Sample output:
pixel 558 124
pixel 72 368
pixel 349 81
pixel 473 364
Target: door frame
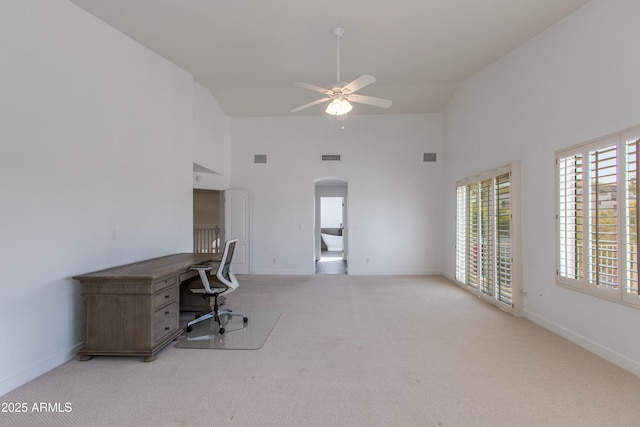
pixel 237 210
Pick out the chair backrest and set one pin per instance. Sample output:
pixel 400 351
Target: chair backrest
pixel 225 272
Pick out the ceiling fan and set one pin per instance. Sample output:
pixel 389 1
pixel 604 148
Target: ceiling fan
pixel 343 93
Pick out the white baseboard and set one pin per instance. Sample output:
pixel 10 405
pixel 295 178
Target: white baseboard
pixel 34 371
pixel 606 353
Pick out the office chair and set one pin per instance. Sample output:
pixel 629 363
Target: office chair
pixel 224 283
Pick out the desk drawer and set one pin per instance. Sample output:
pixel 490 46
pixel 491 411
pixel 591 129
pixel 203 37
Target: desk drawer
pixel 163 283
pixel 164 313
pixel 165 296
pixel 166 327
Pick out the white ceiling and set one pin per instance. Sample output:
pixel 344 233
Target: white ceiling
pixel 249 53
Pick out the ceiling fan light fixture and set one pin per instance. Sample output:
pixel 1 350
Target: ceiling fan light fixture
pixel 338 107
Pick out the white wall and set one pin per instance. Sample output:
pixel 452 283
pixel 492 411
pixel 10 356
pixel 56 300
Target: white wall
pixel 211 142
pixel 575 82
pixel 394 208
pixel 96 137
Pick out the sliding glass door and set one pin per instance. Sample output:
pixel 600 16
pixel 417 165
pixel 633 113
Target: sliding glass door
pixel 485 237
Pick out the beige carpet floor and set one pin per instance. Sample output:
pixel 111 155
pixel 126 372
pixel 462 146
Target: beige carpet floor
pixel 349 351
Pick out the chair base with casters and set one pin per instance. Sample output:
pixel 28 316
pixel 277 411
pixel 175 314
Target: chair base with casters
pixel 213 293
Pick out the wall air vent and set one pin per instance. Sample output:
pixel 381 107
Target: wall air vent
pixel 429 157
pixel 260 158
pixel 330 157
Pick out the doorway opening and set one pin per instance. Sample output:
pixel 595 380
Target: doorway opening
pixel 207 233
pixel 331 231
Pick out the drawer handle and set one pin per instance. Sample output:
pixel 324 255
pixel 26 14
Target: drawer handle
pixel 167 328
pixel 166 296
pixel 166 312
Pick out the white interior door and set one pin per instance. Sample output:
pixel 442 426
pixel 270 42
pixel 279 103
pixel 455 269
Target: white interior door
pixel 237 227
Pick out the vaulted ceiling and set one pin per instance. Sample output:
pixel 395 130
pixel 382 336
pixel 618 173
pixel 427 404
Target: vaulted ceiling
pixel 249 53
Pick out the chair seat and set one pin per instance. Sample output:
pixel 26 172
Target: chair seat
pixel 203 291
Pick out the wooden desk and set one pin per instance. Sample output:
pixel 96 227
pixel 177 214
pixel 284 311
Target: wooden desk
pixel 133 310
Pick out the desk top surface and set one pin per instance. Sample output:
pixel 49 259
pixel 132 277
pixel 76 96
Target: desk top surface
pixel 151 269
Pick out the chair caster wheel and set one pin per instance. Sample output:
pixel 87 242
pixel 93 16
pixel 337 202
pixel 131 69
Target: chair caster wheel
pixel 245 319
pixel 221 330
pixel 189 328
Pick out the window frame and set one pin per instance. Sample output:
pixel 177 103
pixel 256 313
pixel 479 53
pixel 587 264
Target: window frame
pixel 582 281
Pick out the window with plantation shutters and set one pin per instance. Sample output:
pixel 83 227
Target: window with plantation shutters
pixel 473 237
pixel 461 236
pixel 487 228
pixel 603 214
pixel 484 236
pixel 570 216
pixel 596 218
pixel 503 238
pixel 631 217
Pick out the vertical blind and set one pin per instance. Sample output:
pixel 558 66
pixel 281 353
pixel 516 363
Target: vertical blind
pixel 484 235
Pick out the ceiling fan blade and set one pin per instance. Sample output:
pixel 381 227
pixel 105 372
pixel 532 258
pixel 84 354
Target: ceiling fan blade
pixel 359 83
pixel 310 104
pixel 312 87
pixel 370 100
